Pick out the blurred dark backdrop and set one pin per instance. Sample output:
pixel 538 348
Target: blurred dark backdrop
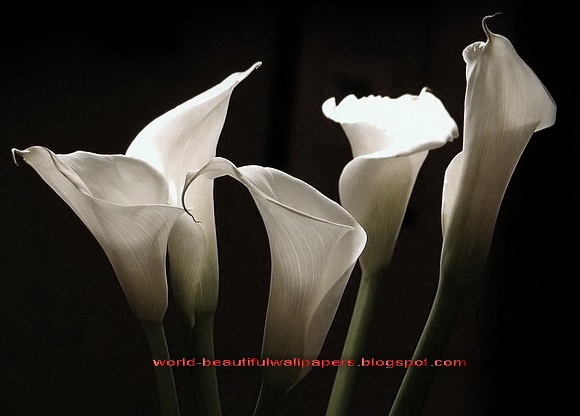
pixel 92 79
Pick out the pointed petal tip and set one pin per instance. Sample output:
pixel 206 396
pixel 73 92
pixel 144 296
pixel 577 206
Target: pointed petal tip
pixel 19 156
pixel 248 71
pixel 329 108
pixel 488 32
pixel 15 153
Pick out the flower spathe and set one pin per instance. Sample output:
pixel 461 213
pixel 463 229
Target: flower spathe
pixel 390 139
pixel 186 137
pixel 124 202
pixel 131 204
pixel 178 141
pixel 505 103
pixel 314 245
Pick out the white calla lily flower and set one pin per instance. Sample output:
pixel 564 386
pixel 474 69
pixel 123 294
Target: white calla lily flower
pixel 314 245
pixel 178 141
pixel 390 139
pixel 131 204
pixel 182 139
pixel 124 202
pixel 505 103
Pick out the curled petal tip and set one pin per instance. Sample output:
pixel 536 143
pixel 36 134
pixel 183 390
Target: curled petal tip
pixel 488 32
pixel 189 178
pixel 254 66
pixel 329 108
pixel 15 153
pixel 192 216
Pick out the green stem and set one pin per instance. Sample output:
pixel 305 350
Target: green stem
pixel 205 382
pixel 344 383
pixel 269 401
pixel 416 384
pixel 163 374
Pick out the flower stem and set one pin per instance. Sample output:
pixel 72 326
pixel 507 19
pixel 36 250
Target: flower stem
pixel 416 384
pixel 163 374
pixel 344 383
pixel 206 390
pixel 269 401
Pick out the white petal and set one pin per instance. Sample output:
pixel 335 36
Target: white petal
pixel 400 126
pixel 314 244
pixel 450 183
pixel 185 138
pixel 123 203
pixel 503 92
pixel 390 139
pixel 376 191
pixel 505 103
pixel 182 139
pixel 194 266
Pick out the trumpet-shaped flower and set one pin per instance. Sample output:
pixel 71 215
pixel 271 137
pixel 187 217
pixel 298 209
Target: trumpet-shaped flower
pixel 314 245
pixel 390 139
pixel 151 174
pixel 178 141
pixel 505 103
pixel 131 204
pixel 124 202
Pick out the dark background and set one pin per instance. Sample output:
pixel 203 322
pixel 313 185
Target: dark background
pixel 69 344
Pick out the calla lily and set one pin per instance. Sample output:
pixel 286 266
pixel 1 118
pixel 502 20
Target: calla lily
pixel 131 203
pixel 505 103
pixel 314 245
pixel 180 140
pixel 390 139
pixel 124 202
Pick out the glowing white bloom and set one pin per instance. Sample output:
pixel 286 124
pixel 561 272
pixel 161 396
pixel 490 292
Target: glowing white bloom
pixel 124 202
pixel 314 245
pixel 505 103
pixel 131 203
pixel 180 140
pixel 390 139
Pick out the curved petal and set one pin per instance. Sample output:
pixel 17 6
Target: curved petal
pixel 123 203
pixel 186 137
pixel 193 260
pixel 182 139
pixel 376 191
pixel 314 244
pixel 450 183
pixel 505 103
pixel 390 139
pixel 400 126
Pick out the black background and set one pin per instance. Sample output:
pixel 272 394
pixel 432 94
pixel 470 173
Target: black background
pixel 69 344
